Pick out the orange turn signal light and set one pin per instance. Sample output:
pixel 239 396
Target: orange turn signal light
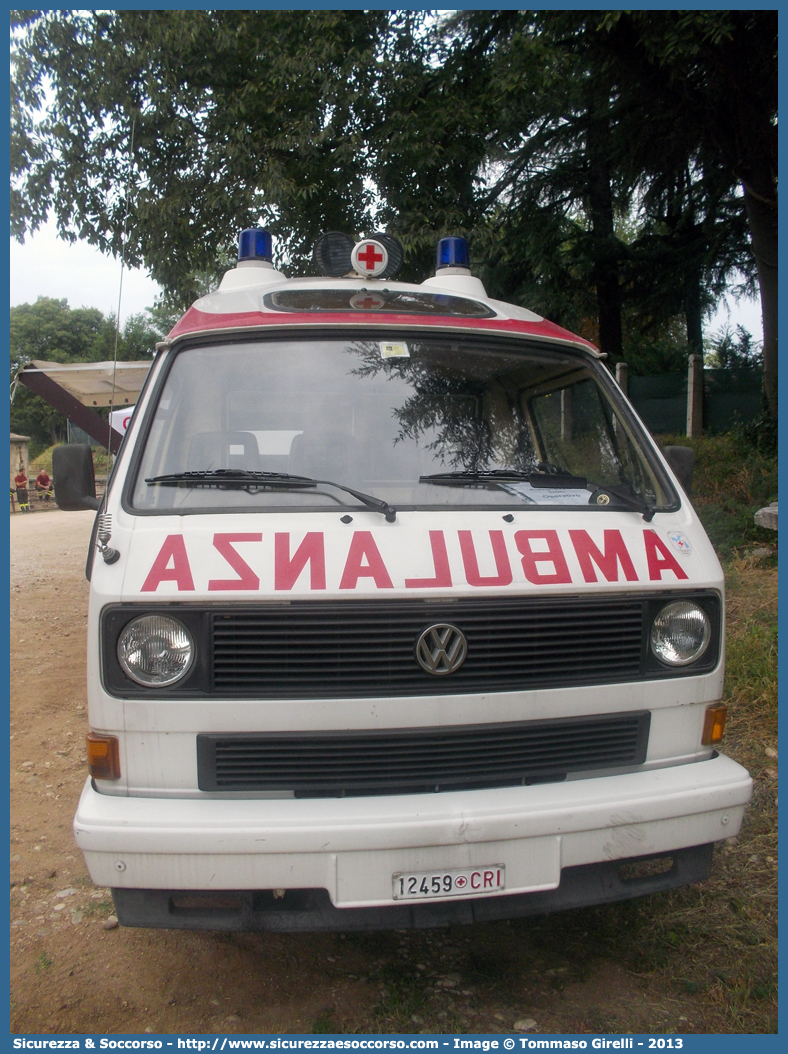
pixel 103 756
pixel 714 724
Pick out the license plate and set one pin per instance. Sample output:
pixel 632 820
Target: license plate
pixel 466 881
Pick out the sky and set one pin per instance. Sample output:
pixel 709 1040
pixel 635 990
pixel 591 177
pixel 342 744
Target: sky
pixel 47 266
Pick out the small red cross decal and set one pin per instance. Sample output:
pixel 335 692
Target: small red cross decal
pixel 369 257
pixel 368 301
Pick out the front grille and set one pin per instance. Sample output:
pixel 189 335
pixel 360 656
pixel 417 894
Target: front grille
pixel 356 648
pixel 419 760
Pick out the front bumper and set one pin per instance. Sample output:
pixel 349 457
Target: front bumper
pixel 308 910
pixel 351 847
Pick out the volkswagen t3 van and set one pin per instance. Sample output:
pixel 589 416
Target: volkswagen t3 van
pixel 398 617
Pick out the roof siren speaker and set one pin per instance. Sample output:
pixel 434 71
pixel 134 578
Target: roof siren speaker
pixel 334 255
pixel 331 254
pixel 394 249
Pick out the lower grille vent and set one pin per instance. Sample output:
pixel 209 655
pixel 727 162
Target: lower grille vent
pixel 400 761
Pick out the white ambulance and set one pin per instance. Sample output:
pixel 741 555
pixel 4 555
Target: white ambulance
pixel 398 617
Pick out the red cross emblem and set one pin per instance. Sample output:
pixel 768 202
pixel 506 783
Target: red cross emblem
pixel 367 302
pixel 369 258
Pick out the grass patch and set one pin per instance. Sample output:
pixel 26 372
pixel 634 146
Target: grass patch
pixel 98 908
pixel 324 1023
pixel 717 942
pixel 751 656
pixel 403 995
pixel 43 962
pixel 102 462
pixel 733 479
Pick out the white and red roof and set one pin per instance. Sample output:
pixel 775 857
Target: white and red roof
pixel 238 305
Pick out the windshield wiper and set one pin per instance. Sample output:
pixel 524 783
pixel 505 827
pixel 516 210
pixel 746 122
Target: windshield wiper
pixel 539 480
pixel 492 475
pixel 248 480
pixel 508 475
pixel 239 477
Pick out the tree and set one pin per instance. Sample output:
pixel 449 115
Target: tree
pixel 703 86
pixel 531 148
pixel 733 350
pixel 211 120
pixel 49 329
pixel 428 141
pixel 487 129
pixel 542 134
pixel 139 336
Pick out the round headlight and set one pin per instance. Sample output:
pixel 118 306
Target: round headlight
pixel 680 633
pixel 155 650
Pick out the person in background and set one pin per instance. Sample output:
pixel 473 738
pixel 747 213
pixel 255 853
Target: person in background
pixel 20 482
pixel 43 485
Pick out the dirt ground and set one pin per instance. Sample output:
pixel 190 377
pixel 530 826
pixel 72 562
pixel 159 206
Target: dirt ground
pixel 69 974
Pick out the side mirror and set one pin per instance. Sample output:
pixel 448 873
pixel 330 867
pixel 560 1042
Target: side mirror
pixel 75 481
pixel 682 460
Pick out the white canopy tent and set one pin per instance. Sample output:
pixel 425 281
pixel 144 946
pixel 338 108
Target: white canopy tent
pixel 73 387
pixel 94 383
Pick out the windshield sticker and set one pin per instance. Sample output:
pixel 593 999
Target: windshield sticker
pixel 547 495
pixel 680 541
pixel 258 561
pixel 394 351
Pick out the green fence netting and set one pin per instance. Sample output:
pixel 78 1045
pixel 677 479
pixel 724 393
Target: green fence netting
pixel 730 397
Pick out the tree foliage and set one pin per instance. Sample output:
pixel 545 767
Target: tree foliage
pixel 702 86
pixel 615 170
pixel 733 350
pixel 216 120
pixel 571 154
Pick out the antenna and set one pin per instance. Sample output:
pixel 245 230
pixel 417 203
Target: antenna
pixel 120 286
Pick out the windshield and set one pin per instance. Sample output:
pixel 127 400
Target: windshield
pixel 413 422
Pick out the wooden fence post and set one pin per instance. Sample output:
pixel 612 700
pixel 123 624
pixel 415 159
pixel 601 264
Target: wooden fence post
pixel 695 396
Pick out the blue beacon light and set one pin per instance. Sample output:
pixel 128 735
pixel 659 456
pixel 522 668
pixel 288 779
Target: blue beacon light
pixel 453 252
pixel 254 245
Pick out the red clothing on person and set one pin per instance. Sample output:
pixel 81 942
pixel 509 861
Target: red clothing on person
pixel 43 485
pixel 20 481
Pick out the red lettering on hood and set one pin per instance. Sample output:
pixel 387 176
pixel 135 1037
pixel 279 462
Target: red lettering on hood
pixel 174 548
pixel 362 548
pixel 287 568
pixel 615 552
pixel 660 558
pixel 502 565
pixel 531 559
pixel 247 579
pixel 440 560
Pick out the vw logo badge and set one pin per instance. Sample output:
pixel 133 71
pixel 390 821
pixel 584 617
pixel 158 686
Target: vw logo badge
pixel 441 649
